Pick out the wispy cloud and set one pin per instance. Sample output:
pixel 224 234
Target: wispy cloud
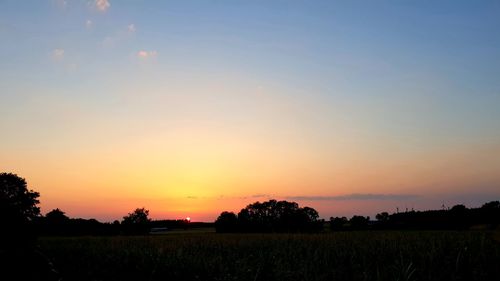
pixel 260 195
pixel 61 59
pixel 89 24
pixel 254 196
pixel 147 54
pixel 346 197
pixel 120 36
pixel 355 196
pixel 131 27
pixel 58 54
pixel 102 5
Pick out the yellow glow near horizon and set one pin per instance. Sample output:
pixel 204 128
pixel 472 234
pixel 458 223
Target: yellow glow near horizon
pixel 189 175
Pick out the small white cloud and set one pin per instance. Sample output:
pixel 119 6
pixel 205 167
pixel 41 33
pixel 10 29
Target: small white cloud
pixel 131 28
pixel 89 24
pixel 147 54
pixel 102 5
pixel 58 54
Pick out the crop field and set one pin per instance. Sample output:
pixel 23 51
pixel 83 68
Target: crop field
pixel 367 255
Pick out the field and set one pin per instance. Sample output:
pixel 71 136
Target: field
pixel 443 256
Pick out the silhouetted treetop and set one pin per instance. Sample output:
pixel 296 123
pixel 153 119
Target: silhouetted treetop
pixel 226 222
pixel 137 222
pixel 359 222
pixel 18 213
pixel 458 208
pixel 56 215
pixel 382 217
pixel 138 216
pixel 17 203
pixel 491 205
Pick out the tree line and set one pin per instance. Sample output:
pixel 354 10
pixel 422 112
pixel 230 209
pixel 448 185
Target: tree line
pixel 459 217
pixel 283 216
pixel 137 222
pixel 20 217
pixel 270 216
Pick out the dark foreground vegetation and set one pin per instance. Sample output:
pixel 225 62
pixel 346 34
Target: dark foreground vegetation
pixel 374 255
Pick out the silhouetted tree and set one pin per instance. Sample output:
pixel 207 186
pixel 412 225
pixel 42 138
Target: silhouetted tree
pixel 138 216
pixel 56 215
pixel 489 213
pixel 458 217
pixel 491 205
pixel 338 223
pixel 382 217
pixel 136 222
pixel 56 223
pixel 308 220
pixel 18 209
pixel 19 258
pixel 17 204
pixel 459 208
pixel 359 222
pixel 311 214
pixel 274 216
pixel 226 222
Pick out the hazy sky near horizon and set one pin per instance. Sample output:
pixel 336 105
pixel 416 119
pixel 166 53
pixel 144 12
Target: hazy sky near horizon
pixel 190 108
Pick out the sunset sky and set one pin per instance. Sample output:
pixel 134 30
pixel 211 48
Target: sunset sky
pixel 190 108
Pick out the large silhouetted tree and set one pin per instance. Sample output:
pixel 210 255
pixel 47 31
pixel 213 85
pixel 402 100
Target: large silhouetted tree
pixel 136 222
pixel 138 216
pixel 18 209
pixel 18 204
pixel 270 216
pixel 226 222
pixel 19 257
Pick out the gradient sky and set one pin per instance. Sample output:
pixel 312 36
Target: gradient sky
pixel 190 108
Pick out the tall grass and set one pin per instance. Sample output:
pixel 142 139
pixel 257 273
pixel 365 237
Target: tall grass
pixel 338 256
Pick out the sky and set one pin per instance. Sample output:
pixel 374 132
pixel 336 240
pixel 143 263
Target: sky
pixel 191 108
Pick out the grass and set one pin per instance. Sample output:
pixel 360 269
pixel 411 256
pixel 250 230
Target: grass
pixel 333 256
